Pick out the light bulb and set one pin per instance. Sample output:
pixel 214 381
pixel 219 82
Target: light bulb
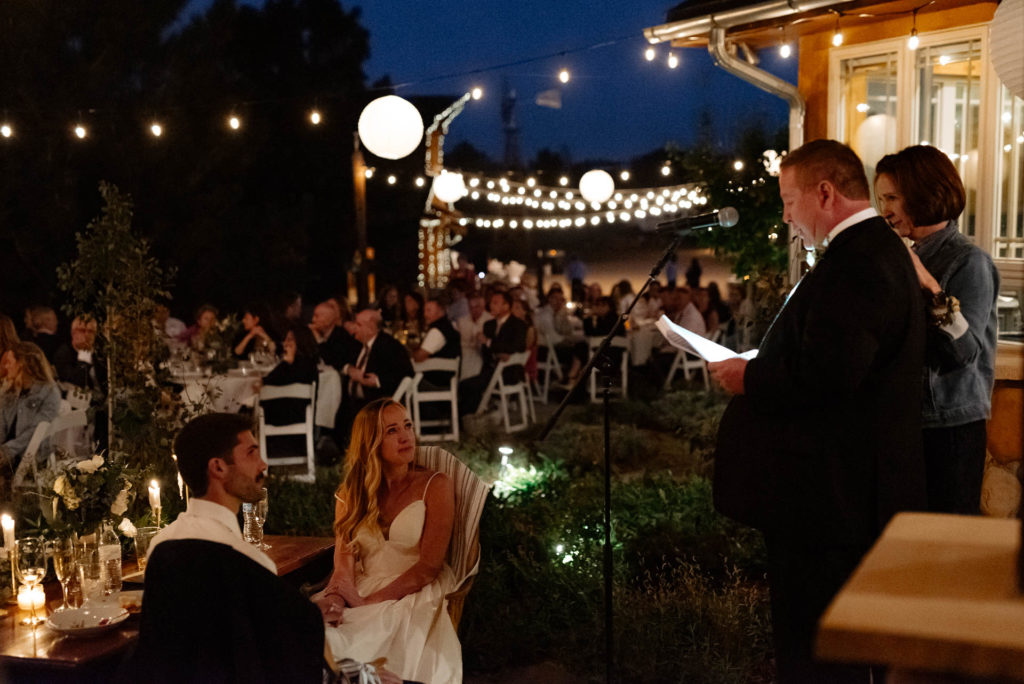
pixel 563 181
pixel 235 123
pixel 156 129
pixel 785 51
pixel 624 175
pixel 392 180
pixel 650 54
pixel 673 61
pixel 420 182
pixel 665 170
pixel 476 93
pixel 913 41
pixel 6 131
pixel 837 38
pixel 314 117
pixel 738 165
pixel 563 75
pixel 80 131
pixel 368 173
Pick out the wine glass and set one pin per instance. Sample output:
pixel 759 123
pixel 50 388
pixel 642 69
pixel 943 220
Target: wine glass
pixel 261 509
pixel 64 565
pixel 31 567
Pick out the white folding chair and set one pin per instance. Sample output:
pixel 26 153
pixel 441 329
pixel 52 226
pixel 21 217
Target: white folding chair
pixel 305 428
pixel 403 393
pixel 505 392
pixel 42 442
pixel 688 361
pixel 548 365
pixel 618 342
pixel 422 396
pixel 77 397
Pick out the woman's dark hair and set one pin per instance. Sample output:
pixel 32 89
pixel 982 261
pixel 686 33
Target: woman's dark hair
pixel 305 343
pixel 213 435
pixel 931 187
pixel 204 308
pixel 714 294
pixel 259 310
pixel 418 298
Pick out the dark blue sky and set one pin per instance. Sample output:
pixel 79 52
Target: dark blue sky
pixel 616 106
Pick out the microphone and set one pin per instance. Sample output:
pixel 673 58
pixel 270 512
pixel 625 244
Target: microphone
pixel 726 217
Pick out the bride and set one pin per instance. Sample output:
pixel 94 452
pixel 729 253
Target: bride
pixel 393 521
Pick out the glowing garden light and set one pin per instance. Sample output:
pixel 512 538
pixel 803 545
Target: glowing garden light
pixel 665 170
pixel 234 123
pixel 597 185
pixel 80 131
pixel 315 118
pixel 738 165
pixel 156 129
pixel 449 187
pixel 6 130
pixel 420 182
pixel 392 179
pixel 563 75
pixel 563 181
pixel 785 51
pixel 649 54
pixel 368 173
pixel 390 127
pixel 476 93
pixel 673 61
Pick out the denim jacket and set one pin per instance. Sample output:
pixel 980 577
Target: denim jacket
pixel 959 373
pixel 41 403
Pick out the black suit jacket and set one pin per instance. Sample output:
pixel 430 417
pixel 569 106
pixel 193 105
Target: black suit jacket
pixel 825 444
pixel 509 339
pixel 391 362
pixel 90 376
pixel 339 348
pixel 211 614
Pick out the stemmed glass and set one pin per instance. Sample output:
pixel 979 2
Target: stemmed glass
pixel 64 565
pixel 31 565
pixel 261 508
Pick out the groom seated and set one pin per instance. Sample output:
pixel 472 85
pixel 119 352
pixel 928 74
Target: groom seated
pixel 215 609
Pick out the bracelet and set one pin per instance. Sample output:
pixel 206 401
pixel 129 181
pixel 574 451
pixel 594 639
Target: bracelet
pixel 943 309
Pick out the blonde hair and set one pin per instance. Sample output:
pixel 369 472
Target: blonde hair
pixel 8 335
pixel 363 473
pixel 34 366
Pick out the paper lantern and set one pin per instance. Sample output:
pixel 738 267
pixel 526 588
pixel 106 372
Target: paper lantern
pixel 597 186
pixel 390 127
pixel 875 137
pixel 1006 47
pixel 449 187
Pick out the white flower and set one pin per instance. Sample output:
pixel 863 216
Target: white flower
pixel 120 504
pixel 90 466
pixel 59 484
pixel 71 501
pixel 126 527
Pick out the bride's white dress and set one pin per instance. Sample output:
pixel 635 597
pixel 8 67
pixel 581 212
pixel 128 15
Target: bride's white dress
pixel 414 633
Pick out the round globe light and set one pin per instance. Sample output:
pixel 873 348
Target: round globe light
pixel 597 186
pixel 449 187
pixel 390 127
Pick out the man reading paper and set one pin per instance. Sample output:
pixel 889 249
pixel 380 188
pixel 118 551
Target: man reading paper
pixel 820 445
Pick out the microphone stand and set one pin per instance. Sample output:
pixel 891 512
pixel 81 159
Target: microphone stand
pixel 601 356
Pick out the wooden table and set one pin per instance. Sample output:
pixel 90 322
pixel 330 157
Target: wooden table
pixel 937 593
pixel 40 654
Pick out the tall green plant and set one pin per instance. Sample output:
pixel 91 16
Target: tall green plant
pixel 115 280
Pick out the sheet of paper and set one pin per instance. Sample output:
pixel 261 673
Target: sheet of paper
pixel 681 338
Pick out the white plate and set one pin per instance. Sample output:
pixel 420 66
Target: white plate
pixel 95 618
pixel 131 600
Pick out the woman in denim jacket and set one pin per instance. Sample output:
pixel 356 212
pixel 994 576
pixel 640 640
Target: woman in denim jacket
pixel 920 194
pixel 28 396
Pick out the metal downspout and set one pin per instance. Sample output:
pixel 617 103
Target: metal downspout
pixel 776 86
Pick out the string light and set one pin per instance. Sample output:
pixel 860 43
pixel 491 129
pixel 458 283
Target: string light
pixel 476 93
pixel 563 75
pixel 392 179
pixel 563 181
pixel 6 130
pixel 837 35
pixel 156 129
pixel 673 61
pixel 624 175
pixel 738 165
pixel 420 182
pixel 784 48
pixel 913 41
pixel 314 117
pixel 80 131
pixel 649 54
pixel 234 122
pixel 665 170
pixel 368 173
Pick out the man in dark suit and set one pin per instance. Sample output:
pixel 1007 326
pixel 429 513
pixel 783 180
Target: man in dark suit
pixel 820 445
pixel 337 346
pixel 502 336
pixel 78 363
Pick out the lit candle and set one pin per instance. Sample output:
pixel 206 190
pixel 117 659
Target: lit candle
pixel 7 522
pixel 181 487
pixel 154 500
pixel 31 598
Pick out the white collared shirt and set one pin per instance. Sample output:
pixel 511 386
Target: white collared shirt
pixel 853 219
pixel 211 522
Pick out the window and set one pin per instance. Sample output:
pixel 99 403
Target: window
pixel 868 107
pixel 1009 233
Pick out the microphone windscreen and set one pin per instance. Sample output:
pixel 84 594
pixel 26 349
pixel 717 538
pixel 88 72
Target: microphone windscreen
pixel 728 216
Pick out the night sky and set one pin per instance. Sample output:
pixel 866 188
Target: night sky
pixel 616 105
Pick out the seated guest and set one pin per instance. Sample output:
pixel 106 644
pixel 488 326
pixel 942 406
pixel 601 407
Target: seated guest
pixel 336 345
pixel 603 318
pixel 78 363
pixel 195 335
pixel 377 370
pixel 502 336
pixel 390 308
pixel 470 328
pixel 28 396
pixel 392 524
pixel 442 341
pixel 298 365
pixel 412 315
pixel 688 315
pixel 719 315
pixel 8 338
pixel 253 336
pixel 215 610
pixel 41 328
pixel 521 310
pixel 167 327
pixel 556 328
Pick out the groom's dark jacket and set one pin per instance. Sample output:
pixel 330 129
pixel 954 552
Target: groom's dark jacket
pixel 210 614
pixel 825 444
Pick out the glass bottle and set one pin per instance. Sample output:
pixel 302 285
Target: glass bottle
pixel 110 557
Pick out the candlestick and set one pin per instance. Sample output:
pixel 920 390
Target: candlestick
pixel 154 500
pixel 7 523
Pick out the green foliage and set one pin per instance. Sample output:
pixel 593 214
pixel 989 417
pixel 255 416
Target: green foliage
pixel 302 509
pixel 115 280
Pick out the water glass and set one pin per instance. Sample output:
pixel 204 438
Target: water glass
pixel 143 538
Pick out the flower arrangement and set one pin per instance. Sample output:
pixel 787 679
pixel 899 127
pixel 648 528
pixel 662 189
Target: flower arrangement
pixel 216 343
pixel 85 493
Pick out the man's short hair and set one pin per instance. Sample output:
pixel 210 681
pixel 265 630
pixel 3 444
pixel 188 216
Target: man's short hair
pixel 929 183
pixel 372 315
pixel 832 161
pixel 503 294
pixel 213 435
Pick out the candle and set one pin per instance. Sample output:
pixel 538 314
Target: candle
pixel 7 522
pixel 181 487
pixel 31 598
pixel 154 494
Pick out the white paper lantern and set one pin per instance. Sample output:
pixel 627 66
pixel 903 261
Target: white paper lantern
pixel 390 127
pixel 449 187
pixel 875 137
pixel 597 186
pixel 1006 47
